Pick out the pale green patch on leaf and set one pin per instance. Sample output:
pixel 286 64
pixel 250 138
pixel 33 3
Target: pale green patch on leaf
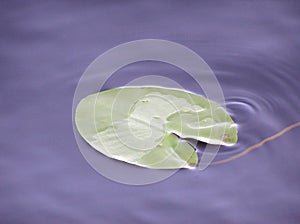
pixel 141 125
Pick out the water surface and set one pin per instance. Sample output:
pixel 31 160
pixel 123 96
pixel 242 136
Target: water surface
pixel 253 48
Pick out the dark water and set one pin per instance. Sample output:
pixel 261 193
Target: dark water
pixel 253 48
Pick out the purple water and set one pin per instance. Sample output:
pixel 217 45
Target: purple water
pixel 253 48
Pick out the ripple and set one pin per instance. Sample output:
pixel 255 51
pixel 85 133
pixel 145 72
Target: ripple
pixel 259 92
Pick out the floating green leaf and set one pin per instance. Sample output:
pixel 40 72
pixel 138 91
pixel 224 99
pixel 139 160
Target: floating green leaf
pixel 141 125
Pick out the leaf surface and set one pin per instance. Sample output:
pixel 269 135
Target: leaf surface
pixel 141 125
